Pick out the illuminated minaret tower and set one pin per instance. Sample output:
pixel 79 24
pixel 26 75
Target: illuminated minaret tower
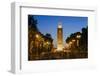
pixel 59 37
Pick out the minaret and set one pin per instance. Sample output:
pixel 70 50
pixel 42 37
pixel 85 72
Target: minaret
pixel 59 37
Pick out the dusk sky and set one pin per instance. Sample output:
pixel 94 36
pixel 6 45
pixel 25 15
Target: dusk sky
pixel 70 24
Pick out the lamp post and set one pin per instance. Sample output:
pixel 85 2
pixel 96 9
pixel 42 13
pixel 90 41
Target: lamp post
pixel 78 37
pixel 70 44
pixel 37 44
pixel 73 42
pixel 47 43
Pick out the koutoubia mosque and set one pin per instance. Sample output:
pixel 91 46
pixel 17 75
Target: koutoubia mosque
pixel 59 37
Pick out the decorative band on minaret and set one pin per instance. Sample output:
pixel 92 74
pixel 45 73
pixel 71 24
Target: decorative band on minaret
pixel 59 37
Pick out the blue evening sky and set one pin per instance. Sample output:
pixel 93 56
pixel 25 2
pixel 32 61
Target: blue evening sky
pixel 70 24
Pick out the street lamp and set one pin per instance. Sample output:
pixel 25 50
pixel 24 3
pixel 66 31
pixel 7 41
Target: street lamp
pixel 47 42
pixel 78 37
pixel 70 42
pixel 37 36
pixel 73 40
pixel 37 44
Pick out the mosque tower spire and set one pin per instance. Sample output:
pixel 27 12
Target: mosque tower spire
pixel 59 37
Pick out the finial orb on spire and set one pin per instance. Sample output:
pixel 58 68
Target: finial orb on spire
pixel 59 25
